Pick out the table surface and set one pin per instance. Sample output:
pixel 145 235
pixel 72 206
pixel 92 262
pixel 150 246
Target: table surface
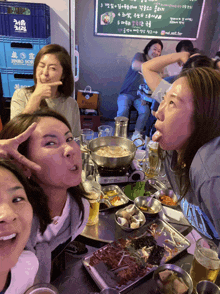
pixel 107 230
pixel 75 279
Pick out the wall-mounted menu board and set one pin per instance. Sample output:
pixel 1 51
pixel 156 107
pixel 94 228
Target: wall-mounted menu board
pixel 164 19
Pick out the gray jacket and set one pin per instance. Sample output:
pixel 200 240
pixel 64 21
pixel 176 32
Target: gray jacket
pixel 72 228
pixel 201 204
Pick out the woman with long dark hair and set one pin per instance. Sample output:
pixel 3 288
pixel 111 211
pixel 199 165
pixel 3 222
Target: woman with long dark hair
pixel 188 128
pixel 53 87
pixel 52 147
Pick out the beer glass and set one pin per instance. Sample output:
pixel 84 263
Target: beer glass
pixel 94 190
pixel 206 263
pixel 104 131
pixel 43 288
pixel 153 163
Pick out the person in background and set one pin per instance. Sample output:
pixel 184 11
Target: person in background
pixel 175 68
pixel 152 68
pixel 52 147
pixel 18 267
pixel 128 93
pixel 53 87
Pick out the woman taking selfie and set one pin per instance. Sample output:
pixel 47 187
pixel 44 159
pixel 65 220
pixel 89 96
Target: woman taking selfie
pixel 52 147
pixel 53 87
pixel 17 202
pixel 188 128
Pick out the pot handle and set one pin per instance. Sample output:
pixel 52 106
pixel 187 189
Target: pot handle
pixel 143 142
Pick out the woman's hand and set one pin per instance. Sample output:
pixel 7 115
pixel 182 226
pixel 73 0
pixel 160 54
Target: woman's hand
pixel 8 148
pixel 45 90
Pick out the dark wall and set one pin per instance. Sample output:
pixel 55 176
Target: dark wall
pixel 104 61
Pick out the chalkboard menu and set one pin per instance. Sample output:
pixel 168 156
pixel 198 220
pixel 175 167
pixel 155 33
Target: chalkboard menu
pixel 164 19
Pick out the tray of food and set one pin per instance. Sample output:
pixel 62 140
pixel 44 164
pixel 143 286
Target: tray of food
pixel 124 262
pixel 112 196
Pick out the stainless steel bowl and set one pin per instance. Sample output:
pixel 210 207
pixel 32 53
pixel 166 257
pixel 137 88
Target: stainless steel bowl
pixel 130 210
pixel 112 162
pixel 180 272
pixel 169 193
pixel 153 206
pixel 205 287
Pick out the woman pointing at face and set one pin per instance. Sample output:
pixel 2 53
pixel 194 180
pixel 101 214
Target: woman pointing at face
pixel 53 87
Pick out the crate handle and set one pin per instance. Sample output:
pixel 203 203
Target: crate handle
pixel 21 45
pixel 23 76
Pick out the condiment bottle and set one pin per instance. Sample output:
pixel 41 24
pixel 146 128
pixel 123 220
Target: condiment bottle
pixel 121 126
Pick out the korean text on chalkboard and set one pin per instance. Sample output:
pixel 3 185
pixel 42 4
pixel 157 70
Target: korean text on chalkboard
pixel 166 19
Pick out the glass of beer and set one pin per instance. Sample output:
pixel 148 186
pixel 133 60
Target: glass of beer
pixel 94 190
pixel 206 263
pixel 153 163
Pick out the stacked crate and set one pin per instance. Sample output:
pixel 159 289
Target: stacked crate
pixel 24 30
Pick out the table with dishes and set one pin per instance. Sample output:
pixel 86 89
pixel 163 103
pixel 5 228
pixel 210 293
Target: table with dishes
pixel 85 275
pixel 136 230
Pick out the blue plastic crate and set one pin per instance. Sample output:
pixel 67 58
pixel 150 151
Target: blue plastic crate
pixel 20 52
pixel 26 20
pixel 15 79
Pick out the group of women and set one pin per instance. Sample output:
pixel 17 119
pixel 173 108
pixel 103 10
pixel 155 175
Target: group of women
pixel 46 205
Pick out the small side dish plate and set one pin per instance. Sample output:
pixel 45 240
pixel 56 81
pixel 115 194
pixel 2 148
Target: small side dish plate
pixel 167 197
pixel 130 218
pixel 112 196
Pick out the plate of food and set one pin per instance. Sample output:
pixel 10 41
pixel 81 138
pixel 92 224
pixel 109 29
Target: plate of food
pixel 112 196
pixel 167 197
pixel 124 262
pixel 171 278
pixel 130 218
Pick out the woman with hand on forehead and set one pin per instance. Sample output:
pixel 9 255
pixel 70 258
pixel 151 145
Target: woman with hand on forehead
pixel 53 79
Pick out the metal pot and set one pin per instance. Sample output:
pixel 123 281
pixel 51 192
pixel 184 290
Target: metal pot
pixel 113 162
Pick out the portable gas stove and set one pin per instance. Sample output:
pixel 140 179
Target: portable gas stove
pixel 132 173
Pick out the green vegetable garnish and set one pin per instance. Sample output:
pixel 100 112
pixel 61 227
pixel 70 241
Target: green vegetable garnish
pixel 134 190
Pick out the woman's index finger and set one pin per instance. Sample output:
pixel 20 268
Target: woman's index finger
pixel 26 134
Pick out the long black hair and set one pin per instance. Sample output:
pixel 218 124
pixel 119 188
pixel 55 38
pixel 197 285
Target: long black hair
pixel 204 83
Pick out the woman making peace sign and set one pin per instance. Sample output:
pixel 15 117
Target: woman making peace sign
pixel 53 87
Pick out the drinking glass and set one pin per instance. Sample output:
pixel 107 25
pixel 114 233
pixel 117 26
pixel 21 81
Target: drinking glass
pixel 94 190
pixel 104 131
pixel 43 288
pixel 152 163
pixel 206 264
pixel 86 136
